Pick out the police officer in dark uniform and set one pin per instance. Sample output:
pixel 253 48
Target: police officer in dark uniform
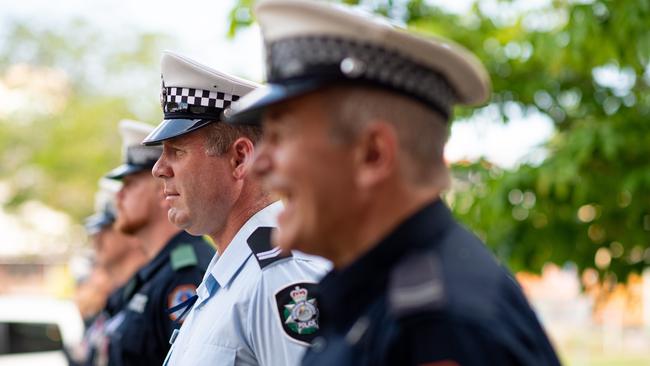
pixel 140 330
pixel 119 256
pixel 355 120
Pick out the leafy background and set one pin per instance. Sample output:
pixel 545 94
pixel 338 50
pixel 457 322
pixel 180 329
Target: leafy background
pixel 584 64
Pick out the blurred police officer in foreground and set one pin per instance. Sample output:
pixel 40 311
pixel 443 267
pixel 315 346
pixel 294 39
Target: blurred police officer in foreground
pixel 255 305
pixel 356 117
pixel 120 256
pixel 139 333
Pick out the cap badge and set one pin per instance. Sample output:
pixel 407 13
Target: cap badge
pixel 352 67
pixel 163 92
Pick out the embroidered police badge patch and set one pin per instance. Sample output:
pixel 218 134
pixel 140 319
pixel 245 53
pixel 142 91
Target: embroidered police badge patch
pixel 179 295
pixel 298 311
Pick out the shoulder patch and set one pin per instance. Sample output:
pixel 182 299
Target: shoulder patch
pixel 298 311
pixel 183 256
pixel 416 285
pixel 179 295
pixel 260 244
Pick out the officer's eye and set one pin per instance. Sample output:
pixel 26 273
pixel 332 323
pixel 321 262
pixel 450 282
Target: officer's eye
pixel 179 152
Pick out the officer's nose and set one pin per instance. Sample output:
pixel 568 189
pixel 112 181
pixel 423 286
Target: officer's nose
pixel 162 169
pixel 119 196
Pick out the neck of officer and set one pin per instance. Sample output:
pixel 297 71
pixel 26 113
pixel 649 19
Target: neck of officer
pixel 251 200
pixel 388 207
pixel 156 235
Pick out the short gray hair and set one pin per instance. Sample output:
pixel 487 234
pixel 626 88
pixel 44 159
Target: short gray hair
pixel 422 132
pixel 220 136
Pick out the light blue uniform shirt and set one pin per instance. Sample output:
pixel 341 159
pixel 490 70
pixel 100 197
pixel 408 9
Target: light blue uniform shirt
pixel 235 320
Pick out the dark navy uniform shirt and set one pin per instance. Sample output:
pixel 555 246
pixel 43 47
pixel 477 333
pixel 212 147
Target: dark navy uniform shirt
pixel 430 293
pixel 95 341
pixel 140 331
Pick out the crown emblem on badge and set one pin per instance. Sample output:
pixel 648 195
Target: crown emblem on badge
pixel 298 294
pixel 301 314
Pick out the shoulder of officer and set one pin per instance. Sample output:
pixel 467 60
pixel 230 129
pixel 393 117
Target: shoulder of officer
pixel 183 256
pixel 191 252
pixel 416 285
pixel 265 253
pixel 457 274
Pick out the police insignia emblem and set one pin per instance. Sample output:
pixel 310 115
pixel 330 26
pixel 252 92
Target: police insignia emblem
pixel 163 92
pixel 298 310
pixel 179 295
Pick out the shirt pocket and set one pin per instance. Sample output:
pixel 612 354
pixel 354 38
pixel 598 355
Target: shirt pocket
pixel 209 354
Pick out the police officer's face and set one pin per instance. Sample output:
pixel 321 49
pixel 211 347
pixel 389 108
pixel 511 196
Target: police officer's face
pixel 199 188
pixel 300 162
pixel 137 202
pixel 111 246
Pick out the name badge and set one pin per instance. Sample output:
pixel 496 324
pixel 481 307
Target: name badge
pixel 138 303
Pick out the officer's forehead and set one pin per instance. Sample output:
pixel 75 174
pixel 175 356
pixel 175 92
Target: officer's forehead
pixel 301 109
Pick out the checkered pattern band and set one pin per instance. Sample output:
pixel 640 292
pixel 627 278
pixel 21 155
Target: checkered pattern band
pixel 335 59
pixel 195 103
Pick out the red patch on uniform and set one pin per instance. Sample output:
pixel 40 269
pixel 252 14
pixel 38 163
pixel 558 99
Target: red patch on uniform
pixel 441 363
pixel 179 295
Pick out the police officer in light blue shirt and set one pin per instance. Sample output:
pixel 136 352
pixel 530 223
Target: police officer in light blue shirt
pixel 256 304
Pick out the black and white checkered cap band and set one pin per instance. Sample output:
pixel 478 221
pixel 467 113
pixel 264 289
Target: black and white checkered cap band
pixel 194 103
pixel 332 58
pixel 143 155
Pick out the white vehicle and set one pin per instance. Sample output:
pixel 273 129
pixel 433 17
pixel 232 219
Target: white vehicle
pixel 35 330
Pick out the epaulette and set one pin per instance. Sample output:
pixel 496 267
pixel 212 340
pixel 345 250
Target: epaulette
pixel 183 256
pixel 260 244
pixel 416 285
pixel 129 289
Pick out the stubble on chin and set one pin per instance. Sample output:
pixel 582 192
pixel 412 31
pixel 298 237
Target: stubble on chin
pixel 131 227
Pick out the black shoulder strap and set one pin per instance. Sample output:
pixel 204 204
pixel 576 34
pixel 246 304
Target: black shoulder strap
pixel 416 285
pixel 260 244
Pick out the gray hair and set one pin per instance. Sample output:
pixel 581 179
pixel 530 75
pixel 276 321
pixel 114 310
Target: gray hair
pixel 422 132
pixel 220 136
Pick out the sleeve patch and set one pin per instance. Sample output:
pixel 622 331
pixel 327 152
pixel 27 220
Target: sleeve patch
pixel 264 251
pixel 183 256
pixel 441 363
pixel 298 311
pixel 179 295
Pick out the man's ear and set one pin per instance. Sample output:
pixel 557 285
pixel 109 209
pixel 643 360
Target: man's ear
pixel 242 153
pixel 376 155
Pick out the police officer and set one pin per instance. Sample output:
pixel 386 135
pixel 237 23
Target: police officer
pixel 139 333
pixel 356 117
pixel 120 256
pixel 256 304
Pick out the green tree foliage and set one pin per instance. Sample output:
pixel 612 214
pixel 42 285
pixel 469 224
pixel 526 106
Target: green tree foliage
pixel 78 83
pixel 586 65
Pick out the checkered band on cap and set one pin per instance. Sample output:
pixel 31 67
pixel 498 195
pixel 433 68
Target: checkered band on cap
pixel 332 58
pixel 178 102
pixel 143 155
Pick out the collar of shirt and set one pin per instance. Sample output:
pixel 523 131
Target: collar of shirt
pixel 346 293
pixel 224 266
pixel 162 257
